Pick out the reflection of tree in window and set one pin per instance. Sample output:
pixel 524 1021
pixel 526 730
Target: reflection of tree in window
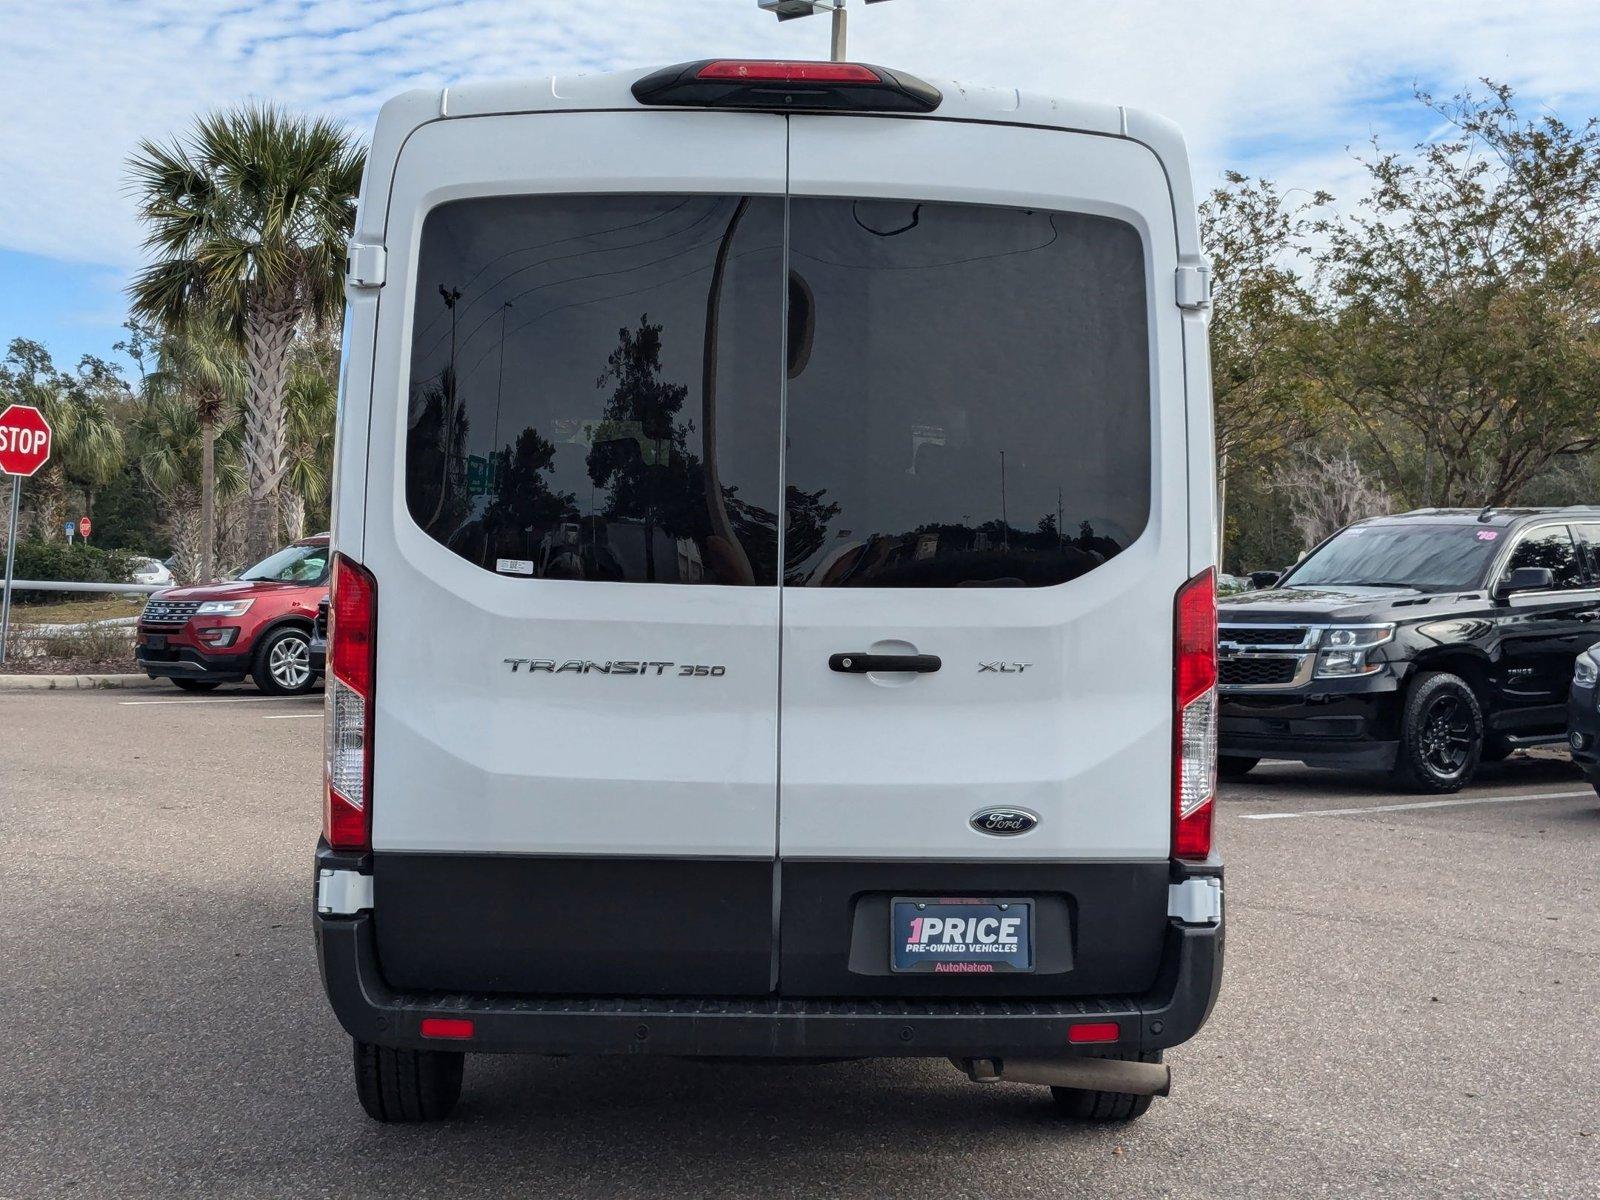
pixel 640 454
pixel 524 501
pixel 436 459
pixel 1550 548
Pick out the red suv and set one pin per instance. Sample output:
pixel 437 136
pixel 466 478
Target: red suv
pixel 258 625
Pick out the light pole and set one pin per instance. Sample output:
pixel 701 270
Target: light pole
pixel 788 10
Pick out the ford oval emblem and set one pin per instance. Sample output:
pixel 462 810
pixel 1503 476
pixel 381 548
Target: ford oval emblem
pixel 1004 822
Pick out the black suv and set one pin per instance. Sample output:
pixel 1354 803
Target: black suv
pixel 1420 644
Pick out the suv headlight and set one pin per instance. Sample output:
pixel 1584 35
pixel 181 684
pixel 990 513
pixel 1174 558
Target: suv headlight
pixel 1344 650
pixel 224 608
pixel 1585 671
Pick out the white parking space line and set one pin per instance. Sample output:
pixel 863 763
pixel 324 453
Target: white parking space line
pixel 1380 808
pixel 292 716
pixel 217 700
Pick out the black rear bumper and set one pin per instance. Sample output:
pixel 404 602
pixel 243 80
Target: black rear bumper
pixel 1171 1011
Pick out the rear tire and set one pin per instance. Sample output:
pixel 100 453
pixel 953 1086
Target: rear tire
pixel 1231 766
pixel 197 685
pixel 1441 735
pixel 1081 1104
pixel 407 1085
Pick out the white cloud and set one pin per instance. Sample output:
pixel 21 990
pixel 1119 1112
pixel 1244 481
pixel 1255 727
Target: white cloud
pixel 1282 83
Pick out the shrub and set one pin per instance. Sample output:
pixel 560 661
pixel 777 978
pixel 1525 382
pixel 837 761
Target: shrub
pixel 96 641
pixel 40 559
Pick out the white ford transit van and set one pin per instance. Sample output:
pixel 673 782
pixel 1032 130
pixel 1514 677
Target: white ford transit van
pixel 773 613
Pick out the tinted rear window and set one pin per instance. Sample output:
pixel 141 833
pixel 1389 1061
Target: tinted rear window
pixel 570 416
pixel 969 402
pixel 597 390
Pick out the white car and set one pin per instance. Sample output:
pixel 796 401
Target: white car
pixel 151 571
pixel 774 603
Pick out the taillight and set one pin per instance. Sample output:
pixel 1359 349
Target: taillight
pixel 1194 765
pixel 348 705
pixel 786 86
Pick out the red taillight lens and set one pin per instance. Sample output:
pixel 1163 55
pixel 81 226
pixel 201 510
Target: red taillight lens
pixel 788 72
pixel 352 604
pixel 784 86
pixel 348 705
pixel 1194 768
pixel 457 1028
pixel 1093 1033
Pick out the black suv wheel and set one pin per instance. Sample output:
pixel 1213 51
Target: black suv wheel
pixel 1441 734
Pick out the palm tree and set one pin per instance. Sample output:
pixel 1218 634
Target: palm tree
pixel 89 440
pixel 248 218
pixel 87 447
pixel 198 364
pixel 169 438
pixel 311 399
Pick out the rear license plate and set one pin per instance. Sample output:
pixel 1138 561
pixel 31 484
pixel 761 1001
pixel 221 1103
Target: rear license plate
pixel 961 937
pixel 156 641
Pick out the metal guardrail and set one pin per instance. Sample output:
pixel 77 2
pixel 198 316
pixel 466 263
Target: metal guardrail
pixel 48 585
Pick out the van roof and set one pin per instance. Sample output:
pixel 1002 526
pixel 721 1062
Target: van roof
pixel 612 91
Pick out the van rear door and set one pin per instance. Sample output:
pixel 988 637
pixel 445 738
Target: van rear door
pixel 574 472
pixel 986 525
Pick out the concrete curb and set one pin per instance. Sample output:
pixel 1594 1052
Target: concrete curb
pixel 51 683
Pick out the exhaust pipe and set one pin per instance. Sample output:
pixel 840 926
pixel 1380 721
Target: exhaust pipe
pixel 1087 1074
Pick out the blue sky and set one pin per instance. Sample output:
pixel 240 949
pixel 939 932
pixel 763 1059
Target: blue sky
pixel 1284 87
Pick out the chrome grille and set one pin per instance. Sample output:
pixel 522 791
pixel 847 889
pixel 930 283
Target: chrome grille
pixel 168 612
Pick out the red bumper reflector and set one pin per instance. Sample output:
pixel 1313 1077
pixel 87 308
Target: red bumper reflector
pixel 457 1028
pixel 1089 1034
pixel 789 72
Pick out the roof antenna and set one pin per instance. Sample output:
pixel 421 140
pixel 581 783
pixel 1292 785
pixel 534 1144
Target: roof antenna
pixel 1486 512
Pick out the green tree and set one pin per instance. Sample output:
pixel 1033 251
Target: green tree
pixel 198 365
pixel 1264 317
pixel 1463 335
pixel 85 409
pixel 248 217
pixel 171 439
pixel 311 399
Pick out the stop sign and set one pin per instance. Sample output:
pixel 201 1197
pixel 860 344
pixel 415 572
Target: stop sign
pixel 24 440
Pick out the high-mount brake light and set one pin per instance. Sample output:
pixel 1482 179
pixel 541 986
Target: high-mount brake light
pixel 1194 718
pixel 788 72
pixel 348 705
pixel 786 86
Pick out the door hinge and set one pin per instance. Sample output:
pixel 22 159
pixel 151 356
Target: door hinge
pixel 1194 286
pixel 343 893
pixel 365 265
pixel 1195 901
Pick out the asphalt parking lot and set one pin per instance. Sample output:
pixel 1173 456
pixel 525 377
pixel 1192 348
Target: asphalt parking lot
pixel 1409 1008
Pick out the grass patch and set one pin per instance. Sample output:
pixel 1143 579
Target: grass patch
pixel 83 608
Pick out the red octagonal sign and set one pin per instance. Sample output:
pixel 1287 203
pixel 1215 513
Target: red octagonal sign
pixel 24 440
